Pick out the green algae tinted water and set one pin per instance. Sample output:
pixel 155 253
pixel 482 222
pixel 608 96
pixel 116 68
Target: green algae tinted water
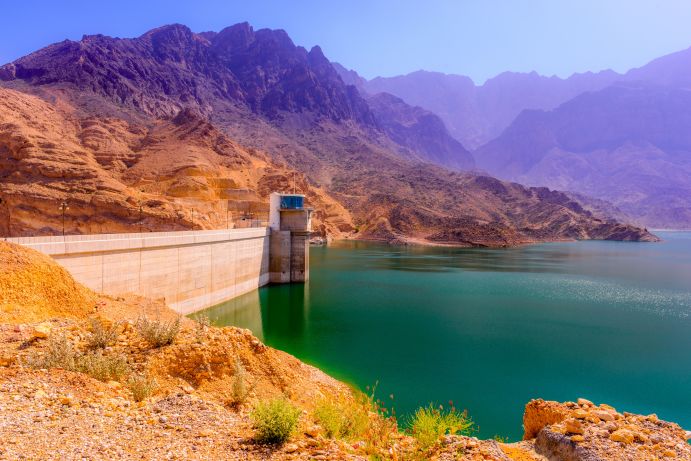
pixel 491 329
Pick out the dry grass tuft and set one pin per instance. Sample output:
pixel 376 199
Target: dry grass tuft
pixel 142 387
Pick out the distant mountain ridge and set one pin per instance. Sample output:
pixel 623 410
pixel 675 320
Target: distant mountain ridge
pixel 367 163
pixel 615 137
pixel 475 114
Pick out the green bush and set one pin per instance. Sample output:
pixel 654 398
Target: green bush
pixel 275 420
pixel 430 423
pixel 102 335
pixel 342 418
pixel 142 387
pixel 158 333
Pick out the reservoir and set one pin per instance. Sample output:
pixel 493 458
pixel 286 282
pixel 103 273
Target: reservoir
pixel 490 329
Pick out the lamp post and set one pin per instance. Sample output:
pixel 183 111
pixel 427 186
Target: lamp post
pixel 227 215
pixel 141 210
pixel 63 207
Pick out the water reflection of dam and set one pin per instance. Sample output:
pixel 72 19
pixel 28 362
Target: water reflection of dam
pixel 277 310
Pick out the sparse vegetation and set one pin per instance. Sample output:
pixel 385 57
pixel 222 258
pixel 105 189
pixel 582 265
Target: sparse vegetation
pixel 203 325
pixel 342 418
pixel 141 386
pixel 430 423
pixel 275 420
pixel 102 334
pixel 240 388
pixel 382 424
pixel 61 353
pixel 103 367
pixel 158 333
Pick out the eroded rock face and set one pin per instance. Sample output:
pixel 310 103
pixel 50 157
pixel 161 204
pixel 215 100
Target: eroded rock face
pixel 584 431
pixel 118 176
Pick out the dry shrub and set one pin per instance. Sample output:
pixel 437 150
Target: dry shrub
pixel 103 367
pixel 142 387
pixel 158 333
pixel 203 325
pixel 240 389
pixel 61 353
pixel 102 334
pixel 382 428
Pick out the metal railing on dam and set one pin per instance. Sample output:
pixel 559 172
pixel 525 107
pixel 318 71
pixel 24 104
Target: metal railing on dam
pixel 190 270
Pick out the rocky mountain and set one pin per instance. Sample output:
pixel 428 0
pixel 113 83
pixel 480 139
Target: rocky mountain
pixel 476 114
pixel 603 137
pixel 180 121
pixel 117 176
pixel 629 144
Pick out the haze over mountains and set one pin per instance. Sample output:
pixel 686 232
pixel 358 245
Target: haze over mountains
pixel 616 137
pixel 168 127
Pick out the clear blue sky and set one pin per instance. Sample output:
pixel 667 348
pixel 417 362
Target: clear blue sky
pixel 478 38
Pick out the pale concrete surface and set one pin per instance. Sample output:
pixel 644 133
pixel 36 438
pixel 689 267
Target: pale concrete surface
pixel 191 270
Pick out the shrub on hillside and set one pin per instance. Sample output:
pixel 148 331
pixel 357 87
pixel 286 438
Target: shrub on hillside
pixel 430 423
pixel 142 387
pixel 342 418
pixel 103 367
pixel 102 334
pixel 60 353
pixel 275 420
pixel 158 333
pixel 240 388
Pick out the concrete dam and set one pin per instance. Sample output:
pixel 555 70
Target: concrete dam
pixel 190 270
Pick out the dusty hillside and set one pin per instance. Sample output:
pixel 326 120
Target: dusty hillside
pixel 34 288
pixel 117 176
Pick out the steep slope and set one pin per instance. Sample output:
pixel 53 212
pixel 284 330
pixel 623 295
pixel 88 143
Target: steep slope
pixel 670 70
pixel 421 131
pixel 181 99
pixel 628 144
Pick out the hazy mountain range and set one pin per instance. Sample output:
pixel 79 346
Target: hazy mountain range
pixel 165 129
pixel 623 138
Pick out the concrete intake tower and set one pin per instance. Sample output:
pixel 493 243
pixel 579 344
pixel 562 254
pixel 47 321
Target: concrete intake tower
pixel 290 226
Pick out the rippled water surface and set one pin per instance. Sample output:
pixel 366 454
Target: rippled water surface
pixel 491 329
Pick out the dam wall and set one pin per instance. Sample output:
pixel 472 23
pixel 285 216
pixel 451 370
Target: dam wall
pixel 190 270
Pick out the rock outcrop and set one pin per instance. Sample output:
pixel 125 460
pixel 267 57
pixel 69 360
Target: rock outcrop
pixel 583 431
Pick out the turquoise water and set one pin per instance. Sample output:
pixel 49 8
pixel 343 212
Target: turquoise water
pixel 491 329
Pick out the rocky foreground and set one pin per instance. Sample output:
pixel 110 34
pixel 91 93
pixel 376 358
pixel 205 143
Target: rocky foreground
pixel 197 409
